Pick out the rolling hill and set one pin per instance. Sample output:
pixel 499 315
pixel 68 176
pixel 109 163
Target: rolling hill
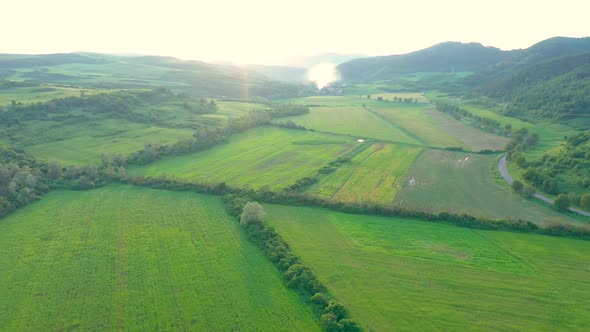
pixel 444 57
pixel 93 70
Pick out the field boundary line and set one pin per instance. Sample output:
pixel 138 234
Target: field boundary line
pixel 353 171
pixel 402 129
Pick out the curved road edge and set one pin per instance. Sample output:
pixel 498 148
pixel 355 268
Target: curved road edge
pixel 508 178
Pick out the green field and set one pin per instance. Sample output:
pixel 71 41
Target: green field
pixel 41 93
pixel 134 259
pixel 264 156
pixel 373 176
pixel 84 142
pixel 355 121
pixel 417 119
pixel 551 134
pixel 410 123
pixel 474 139
pixel 459 182
pixel 409 275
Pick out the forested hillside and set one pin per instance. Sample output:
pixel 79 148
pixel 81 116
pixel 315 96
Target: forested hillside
pixel 445 57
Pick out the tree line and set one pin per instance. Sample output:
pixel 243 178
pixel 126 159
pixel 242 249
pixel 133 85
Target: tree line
pixel 333 315
pixel 289 197
pixel 483 123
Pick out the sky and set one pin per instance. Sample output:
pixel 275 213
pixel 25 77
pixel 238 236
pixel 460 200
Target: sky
pixel 269 31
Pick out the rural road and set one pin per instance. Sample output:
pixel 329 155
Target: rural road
pixel 508 178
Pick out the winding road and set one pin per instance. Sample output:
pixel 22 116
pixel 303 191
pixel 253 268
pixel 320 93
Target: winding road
pixel 508 178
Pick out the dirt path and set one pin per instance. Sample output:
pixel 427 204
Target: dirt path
pixel 508 178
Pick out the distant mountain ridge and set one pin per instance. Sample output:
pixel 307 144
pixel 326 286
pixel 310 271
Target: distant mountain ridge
pixel 443 57
pixel 95 70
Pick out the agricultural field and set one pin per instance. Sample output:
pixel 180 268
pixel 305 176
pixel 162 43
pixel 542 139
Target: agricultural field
pixel 136 259
pixel 417 119
pixel 551 134
pixel 355 121
pixel 410 275
pixel 84 142
pixel 458 182
pixel 373 176
pixel 264 156
pixel 474 139
pixel 41 93
pixel 411 123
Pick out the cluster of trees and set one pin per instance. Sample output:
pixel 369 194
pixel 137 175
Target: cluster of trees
pixel 397 99
pixel 22 179
pixel 290 124
pixel 477 121
pixel 334 316
pixel 521 140
pixel 566 167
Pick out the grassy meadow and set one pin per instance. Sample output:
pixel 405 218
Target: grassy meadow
pixel 409 123
pixel 136 259
pixel 409 275
pixel 417 119
pixel 372 176
pixel 83 142
pixel 355 121
pixel 41 93
pixel 459 182
pixel 264 156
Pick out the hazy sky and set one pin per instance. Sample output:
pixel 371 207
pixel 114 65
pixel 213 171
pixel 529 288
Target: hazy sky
pixel 258 31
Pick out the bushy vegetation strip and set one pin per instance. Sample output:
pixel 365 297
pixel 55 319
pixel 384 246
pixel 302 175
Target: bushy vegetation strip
pixel 333 315
pixel 477 121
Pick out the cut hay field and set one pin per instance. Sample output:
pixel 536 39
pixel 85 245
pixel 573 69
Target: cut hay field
pixel 417 119
pixel 458 182
pixel 474 139
pixel 355 121
pixel 411 123
pixel 264 156
pixel 373 176
pixel 408 275
pixel 551 134
pixel 136 259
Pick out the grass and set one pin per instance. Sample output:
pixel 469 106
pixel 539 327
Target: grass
pixel 264 156
pixel 551 134
pixel 409 275
pixel 41 93
pixel 409 123
pixel 84 142
pixel 75 136
pixel 354 121
pixel 372 176
pixel 136 259
pixel 474 139
pixel 417 119
pixel 460 182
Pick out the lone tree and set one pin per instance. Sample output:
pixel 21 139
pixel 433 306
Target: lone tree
pixel 562 202
pixel 517 186
pixel 585 201
pixel 253 213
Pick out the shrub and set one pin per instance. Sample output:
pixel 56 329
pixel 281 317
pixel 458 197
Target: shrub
pixel 562 202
